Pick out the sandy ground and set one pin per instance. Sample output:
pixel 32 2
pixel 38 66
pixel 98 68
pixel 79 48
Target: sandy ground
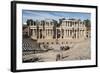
pixel 79 51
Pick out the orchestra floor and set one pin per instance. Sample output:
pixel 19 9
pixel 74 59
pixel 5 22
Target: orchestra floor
pixel 33 53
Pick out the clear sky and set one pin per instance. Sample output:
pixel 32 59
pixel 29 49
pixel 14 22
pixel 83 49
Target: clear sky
pixel 56 15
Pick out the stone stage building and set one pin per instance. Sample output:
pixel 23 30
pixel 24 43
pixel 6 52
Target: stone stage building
pixel 51 32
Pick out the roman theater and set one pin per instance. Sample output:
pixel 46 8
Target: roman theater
pixel 67 31
pixel 49 40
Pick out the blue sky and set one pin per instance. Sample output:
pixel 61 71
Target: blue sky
pixel 56 15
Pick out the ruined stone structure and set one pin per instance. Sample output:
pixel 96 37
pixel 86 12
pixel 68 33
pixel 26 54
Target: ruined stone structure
pixel 50 32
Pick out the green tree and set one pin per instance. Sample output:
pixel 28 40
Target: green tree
pixel 87 24
pixel 29 22
pixel 37 26
pixel 43 23
pixel 60 22
pixel 54 28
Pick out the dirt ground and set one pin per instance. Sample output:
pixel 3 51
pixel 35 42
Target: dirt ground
pixel 79 51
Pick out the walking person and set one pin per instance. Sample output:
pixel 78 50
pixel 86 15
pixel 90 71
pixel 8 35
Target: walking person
pixel 58 57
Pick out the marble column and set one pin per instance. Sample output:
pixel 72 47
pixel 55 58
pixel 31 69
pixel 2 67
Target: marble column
pixel 42 33
pixel 28 31
pixel 66 33
pixel 69 33
pixel 33 33
pixel 39 34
